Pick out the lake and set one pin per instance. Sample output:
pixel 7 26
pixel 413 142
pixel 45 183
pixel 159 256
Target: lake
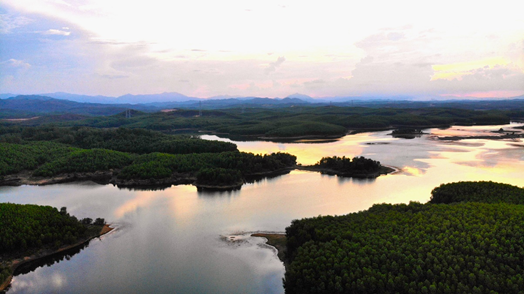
pixel 185 241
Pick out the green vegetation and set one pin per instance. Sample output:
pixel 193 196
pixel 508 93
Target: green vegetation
pixel 286 121
pixel 47 151
pixel 346 166
pixel 488 192
pixel 469 247
pixel 218 177
pixel 161 165
pixel 18 157
pixel 27 227
pixel 85 161
pixel 307 129
pixel 126 140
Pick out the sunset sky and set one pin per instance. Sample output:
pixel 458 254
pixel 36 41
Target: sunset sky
pixel 423 49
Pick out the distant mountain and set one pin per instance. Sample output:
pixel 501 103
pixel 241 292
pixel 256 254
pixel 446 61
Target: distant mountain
pixel 150 98
pixel 302 97
pixel 82 98
pixel 7 95
pixel 37 104
pixel 232 103
pixel 124 99
pixel 223 97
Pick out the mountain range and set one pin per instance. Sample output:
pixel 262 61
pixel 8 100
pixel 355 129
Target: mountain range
pixel 36 105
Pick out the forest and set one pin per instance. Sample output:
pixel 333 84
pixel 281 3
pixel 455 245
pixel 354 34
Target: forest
pixel 25 229
pixel 474 245
pixel 130 154
pixel 348 166
pixel 285 122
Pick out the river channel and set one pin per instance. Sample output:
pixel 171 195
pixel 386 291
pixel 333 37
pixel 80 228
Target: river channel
pixel 180 240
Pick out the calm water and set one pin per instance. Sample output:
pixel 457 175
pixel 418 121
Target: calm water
pixel 179 239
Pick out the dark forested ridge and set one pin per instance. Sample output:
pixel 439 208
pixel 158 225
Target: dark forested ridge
pixel 120 139
pixel 288 121
pixel 121 156
pixel 468 247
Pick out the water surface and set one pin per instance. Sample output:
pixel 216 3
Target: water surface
pixel 173 240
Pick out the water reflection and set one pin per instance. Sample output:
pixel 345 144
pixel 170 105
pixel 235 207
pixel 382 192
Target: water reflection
pixel 49 260
pixel 356 181
pixel 213 193
pixel 169 239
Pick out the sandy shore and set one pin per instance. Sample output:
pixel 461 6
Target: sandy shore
pixel 276 240
pixel 45 253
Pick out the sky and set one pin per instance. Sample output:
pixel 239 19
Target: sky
pixel 421 49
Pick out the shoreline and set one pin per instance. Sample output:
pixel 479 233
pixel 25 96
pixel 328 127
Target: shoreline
pixel 42 253
pixel 276 240
pixel 109 177
pixel 384 170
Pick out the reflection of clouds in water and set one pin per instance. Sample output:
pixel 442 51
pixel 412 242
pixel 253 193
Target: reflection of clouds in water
pixel 412 171
pixel 282 147
pixel 503 157
pixel 142 199
pixel 38 283
pixel 254 251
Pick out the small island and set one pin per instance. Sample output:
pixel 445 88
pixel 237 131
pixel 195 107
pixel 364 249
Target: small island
pixel 358 167
pixel 31 232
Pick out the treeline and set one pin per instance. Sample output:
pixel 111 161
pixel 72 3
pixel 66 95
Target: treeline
pixel 488 192
pixel 161 165
pixel 90 160
pixel 18 157
pixel 218 177
pixel 344 164
pixel 290 121
pixel 469 247
pixel 24 227
pixel 46 159
pixel 138 141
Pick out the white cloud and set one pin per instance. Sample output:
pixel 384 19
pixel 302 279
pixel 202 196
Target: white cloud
pixel 56 32
pixel 337 48
pixel 274 65
pixel 9 22
pixel 14 63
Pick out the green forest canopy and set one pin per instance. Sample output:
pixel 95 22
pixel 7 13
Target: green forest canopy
pixel 25 228
pixel 465 247
pixel 290 121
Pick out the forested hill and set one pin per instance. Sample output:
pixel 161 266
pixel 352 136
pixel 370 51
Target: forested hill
pixel 258 117
pixel 465 247
pixel 27 105
pixel 127 157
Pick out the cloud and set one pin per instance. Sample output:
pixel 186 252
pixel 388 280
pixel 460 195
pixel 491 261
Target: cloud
pixel 56 32
pixel 9 22
pixel 14 63
pixel 274 65
pixel 499 78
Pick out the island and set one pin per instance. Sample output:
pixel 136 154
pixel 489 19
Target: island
pixel 142 158
pixel 31 232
